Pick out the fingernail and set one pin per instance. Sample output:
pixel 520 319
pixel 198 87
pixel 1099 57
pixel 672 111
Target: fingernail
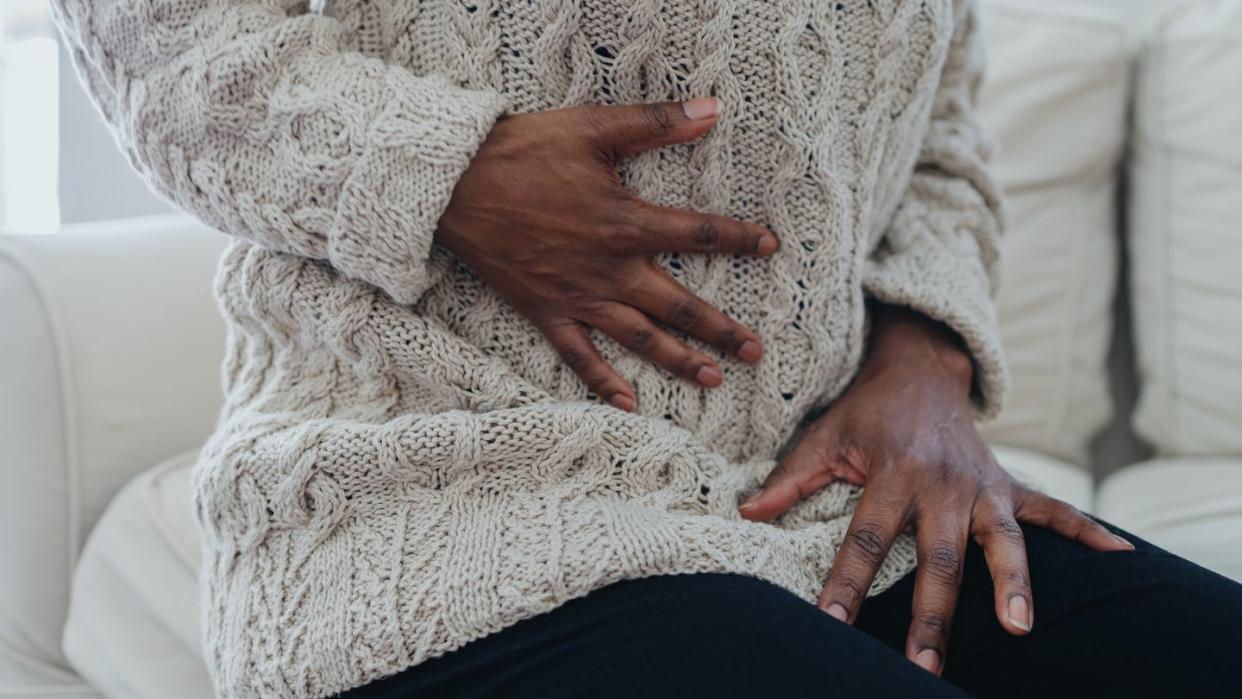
pixel 701 108
pixel 1019 612
pixel 928 659
pixel 767 245
pixel 622 402
pixel 836 611
pixel 1124 542
pixel 750 351
pixel 709 376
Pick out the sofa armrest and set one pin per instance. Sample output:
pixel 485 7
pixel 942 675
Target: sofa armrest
pixel 109 363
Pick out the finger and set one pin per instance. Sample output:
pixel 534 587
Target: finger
pixel 997 532
pixel 627 130
pixel 1068 521
pixel 662 298
pixel 941 540
pixel 572 341
pixel 806 470
pixel 635 331
pixel 875 524
pixel 667 229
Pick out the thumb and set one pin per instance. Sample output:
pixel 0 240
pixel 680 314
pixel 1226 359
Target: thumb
pixel 631 129
pixel 804 472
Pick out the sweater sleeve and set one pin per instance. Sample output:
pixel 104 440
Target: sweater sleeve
pixel 940 256
pixel 254 116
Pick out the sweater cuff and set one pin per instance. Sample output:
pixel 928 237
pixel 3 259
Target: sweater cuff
pixel 415 152
pixel 950 286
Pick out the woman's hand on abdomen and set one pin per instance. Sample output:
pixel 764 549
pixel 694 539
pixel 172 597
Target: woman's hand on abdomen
pixel 542 217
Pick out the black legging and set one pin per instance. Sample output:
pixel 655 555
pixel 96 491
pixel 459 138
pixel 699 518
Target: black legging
pixel 1126 624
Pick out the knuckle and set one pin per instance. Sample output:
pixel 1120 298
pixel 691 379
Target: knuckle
pixel 596 125
pixel 624 279
pixel 592 309
pixel 943 560
pixel 1065 514
pixel 1080 523
pixel 1006 528
pixel 599 375
pixel 685 313
pixel 641 338
pixel 729 339
pixel 657 119
pixel 620 234
pixel 933 622
pixel 1016 577
pixel 851 590
pixel 948 474
pixel 685 366
pixel 570 290
pixel 868 539
pixel 706 234
pixel 576 359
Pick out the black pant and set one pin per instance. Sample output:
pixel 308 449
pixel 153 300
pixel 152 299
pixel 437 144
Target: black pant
pixel 1126 624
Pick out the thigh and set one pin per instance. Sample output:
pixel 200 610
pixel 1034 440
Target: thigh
pixel 701 635
pixel 1141 623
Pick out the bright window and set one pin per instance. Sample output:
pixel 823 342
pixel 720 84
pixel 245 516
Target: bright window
pixel 29 118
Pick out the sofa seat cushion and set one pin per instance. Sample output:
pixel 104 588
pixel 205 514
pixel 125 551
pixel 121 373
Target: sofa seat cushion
pixel 1191 506
pixel 135 592
pixel 24 678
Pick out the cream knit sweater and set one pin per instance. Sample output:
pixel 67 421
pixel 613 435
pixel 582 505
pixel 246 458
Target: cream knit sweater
pixel 403 464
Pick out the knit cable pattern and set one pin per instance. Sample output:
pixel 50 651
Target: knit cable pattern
pixel 402 463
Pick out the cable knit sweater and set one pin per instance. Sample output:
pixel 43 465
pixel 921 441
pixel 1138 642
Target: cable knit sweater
pixel 402 463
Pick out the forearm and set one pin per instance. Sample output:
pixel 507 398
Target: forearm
pixel 941 253
pixel 264 122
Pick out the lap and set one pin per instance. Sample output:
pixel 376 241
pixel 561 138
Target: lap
pixel 1129 623
pixel 1140 623
pixel 706 635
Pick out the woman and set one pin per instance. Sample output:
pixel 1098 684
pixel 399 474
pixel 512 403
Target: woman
pixel 564 336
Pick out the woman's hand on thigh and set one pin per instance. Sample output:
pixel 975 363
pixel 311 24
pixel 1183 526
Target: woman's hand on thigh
pixel 905 430
pixel 542 217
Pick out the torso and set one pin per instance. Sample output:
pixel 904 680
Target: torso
pixel 824 106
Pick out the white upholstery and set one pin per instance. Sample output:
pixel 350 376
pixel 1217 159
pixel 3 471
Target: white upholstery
pixel 1186 231
pixel 135 590
pixel 1191 506
pixel 110 363
pixel 1055 100
pixel 113 365
pixel 1136 15
pixel 1047 474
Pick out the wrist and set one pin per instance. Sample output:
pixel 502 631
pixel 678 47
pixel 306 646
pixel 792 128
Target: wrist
pixel 464 228
pixel 906 339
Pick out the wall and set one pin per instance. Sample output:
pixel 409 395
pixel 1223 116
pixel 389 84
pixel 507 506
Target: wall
pixel 96 182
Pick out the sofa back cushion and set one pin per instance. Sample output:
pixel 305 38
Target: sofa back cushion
pixel 1186 231
pixel 1055 101
pixel 111 355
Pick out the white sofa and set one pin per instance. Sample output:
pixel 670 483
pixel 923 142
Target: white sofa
pixel 111 345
